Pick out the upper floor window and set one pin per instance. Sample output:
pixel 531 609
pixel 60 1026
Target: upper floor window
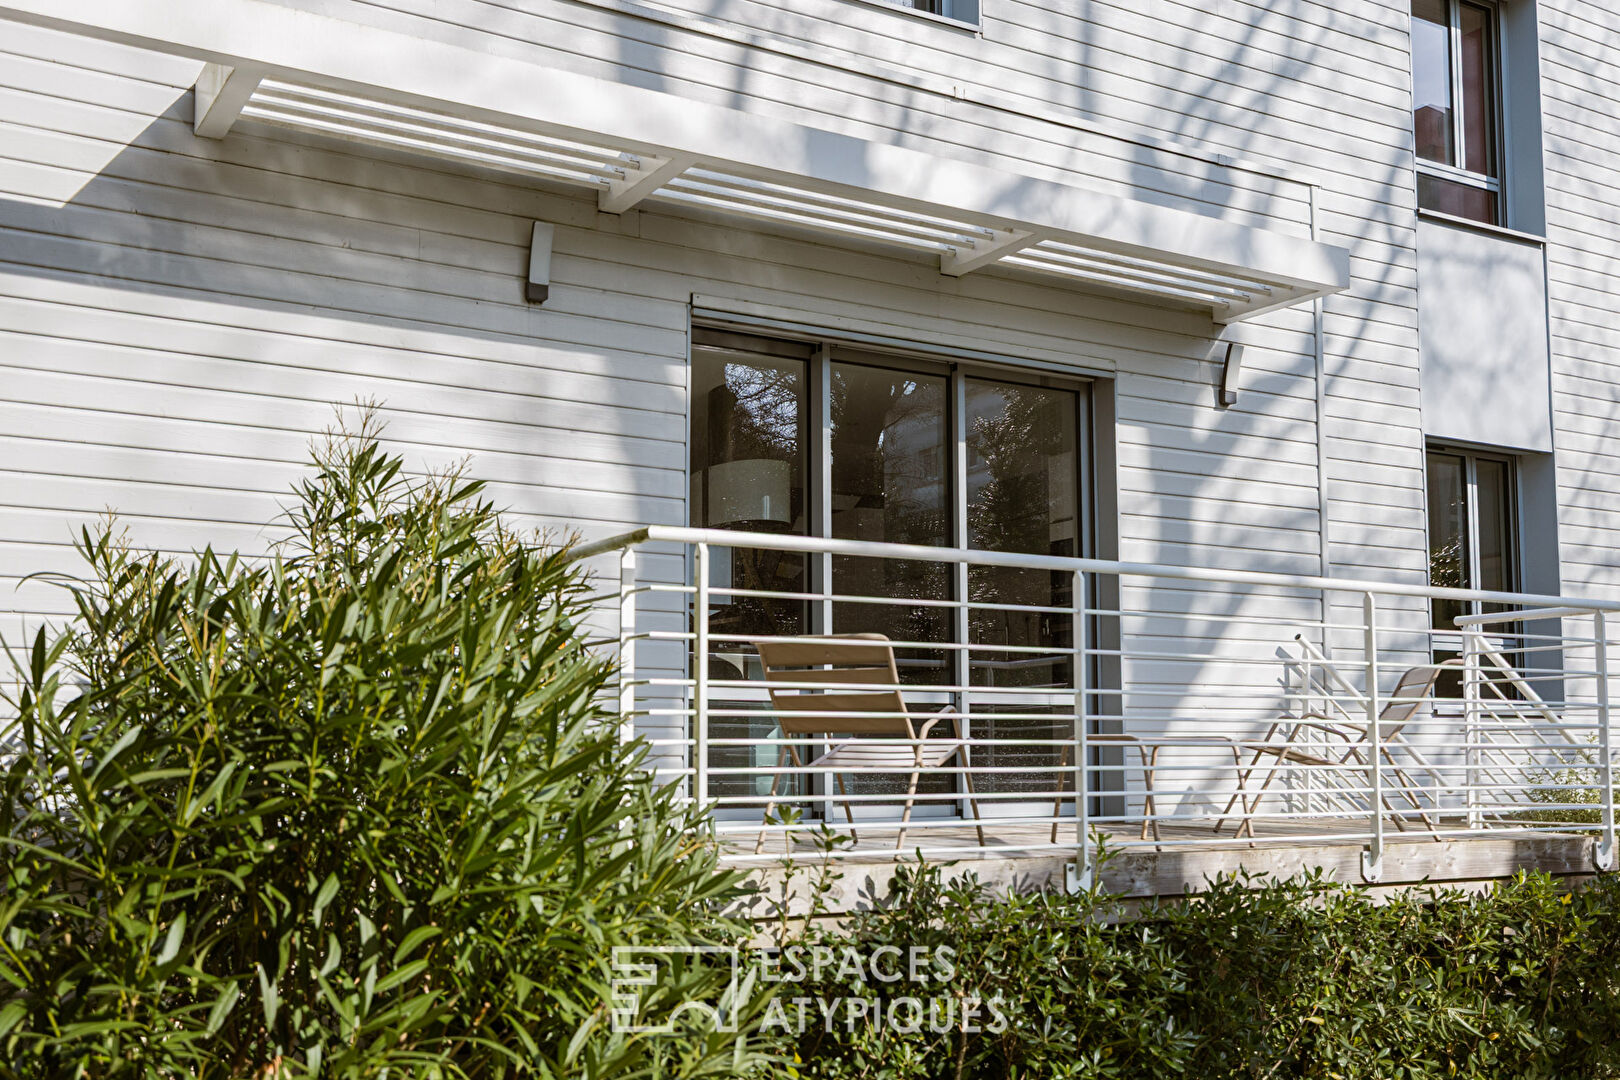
pixel 959 10
pixel 1455 107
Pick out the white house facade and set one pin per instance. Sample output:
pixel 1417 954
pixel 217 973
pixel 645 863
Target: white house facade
pixel 1154 299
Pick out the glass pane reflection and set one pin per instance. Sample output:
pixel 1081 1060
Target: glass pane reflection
pixel 1022 495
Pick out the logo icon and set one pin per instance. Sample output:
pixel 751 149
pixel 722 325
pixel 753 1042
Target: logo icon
pixel 638 970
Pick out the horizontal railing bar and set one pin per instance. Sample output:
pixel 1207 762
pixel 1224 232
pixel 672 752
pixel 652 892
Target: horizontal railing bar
pixel 973 557
pixel 1529 615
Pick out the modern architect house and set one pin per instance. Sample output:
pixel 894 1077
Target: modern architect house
pixel 1190 348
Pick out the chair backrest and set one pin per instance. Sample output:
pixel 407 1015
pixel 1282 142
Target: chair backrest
pixel 828 662
pixel 1412 692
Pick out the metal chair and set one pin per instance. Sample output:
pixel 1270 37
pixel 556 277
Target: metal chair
pixel 1414 688
pixel 1147 748
pixel 807 677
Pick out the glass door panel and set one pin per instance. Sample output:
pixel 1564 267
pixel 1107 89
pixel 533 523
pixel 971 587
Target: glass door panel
pixel 890 484
pixel 889 440
pixel 1448 535
pixel 748 468
pixel 1022 496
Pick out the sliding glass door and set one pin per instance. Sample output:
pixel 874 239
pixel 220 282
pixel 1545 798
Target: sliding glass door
pixel 807 439
pixel 1023 485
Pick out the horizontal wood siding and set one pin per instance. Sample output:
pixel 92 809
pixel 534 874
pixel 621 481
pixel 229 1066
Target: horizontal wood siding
pixel 178 317
pixel 1580 59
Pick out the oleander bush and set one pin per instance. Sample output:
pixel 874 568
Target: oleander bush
pixel 1299 978
pixel 353 811
pixel 356 811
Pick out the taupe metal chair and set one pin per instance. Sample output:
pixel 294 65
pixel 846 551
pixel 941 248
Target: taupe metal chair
pixel 1414 689
pixel 1147 748
pixel 815 704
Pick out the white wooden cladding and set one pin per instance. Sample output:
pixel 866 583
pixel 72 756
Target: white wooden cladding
pixel 408 92
pixel 179 316
pixel 176 317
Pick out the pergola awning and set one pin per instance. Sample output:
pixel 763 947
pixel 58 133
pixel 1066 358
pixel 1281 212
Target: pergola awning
pixel 278 65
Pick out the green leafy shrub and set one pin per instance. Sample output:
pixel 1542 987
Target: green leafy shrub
pixel 354 811
pixel 1253 979
pixel 1576 790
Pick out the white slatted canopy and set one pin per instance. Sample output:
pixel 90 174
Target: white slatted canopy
pixel 315 73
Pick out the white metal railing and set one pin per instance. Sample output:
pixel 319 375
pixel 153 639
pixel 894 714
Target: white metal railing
pixel 1190 707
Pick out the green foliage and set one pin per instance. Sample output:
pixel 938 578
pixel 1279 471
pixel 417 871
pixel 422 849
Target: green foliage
pixel 353 811
pixel 1576 791
pixel 1253 979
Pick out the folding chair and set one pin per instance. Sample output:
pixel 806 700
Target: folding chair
pixel 1414 688
pixel 807 695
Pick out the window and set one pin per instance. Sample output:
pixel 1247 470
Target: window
pixel 1456 114
pixel 1473 544
pixel 1471 535
pixel 815 440
pixel 964 11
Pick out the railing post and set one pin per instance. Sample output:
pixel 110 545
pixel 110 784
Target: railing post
pixel 1606 850
pixel 1471 726
pixel 1082 871
pixel 1372 860
pixel 627 645
pixel 700 676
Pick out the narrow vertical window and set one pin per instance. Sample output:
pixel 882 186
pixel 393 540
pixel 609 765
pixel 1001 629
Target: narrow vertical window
pixel 1472 544
pixel 1471 532
pixel 1455 108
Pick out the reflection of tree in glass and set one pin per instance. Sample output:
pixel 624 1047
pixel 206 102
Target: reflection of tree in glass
pixel 1017 437
pixel 1009 506
pixel 888 437
pixel 1446 565
pixel 1446 571
pixel 889 484
pixel 763 420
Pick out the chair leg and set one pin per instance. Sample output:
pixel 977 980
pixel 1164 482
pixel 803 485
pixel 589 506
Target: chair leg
pixel 1389 807
pixel 1244 774
pixel 1408 785
pixel 776 780
pixel 905 815
pixel 849 815
pixel 1242 784
pixel 1249 808
pixel 1057 801
pixel 973 802
pixel 1150 802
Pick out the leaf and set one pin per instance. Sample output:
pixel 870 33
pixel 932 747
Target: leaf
pixel 11 1016
pixel 268 996
pixel 124 742
pixel 324 897
pixel 222 1007
pixel 171 940
pixel 413 941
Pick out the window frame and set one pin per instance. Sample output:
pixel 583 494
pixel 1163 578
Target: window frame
pixel 828 350
pixel 1471 458
pixel 1494 128
pixel 950 14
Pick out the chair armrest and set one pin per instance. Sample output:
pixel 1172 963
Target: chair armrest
pixel 1324 723
pixel 947 713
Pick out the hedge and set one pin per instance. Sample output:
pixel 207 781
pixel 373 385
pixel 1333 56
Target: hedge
pixel 1298 978
pixel 358 810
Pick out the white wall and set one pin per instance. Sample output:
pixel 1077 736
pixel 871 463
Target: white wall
pixel 1580 62
pixel 179 317
pixel 1482 309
